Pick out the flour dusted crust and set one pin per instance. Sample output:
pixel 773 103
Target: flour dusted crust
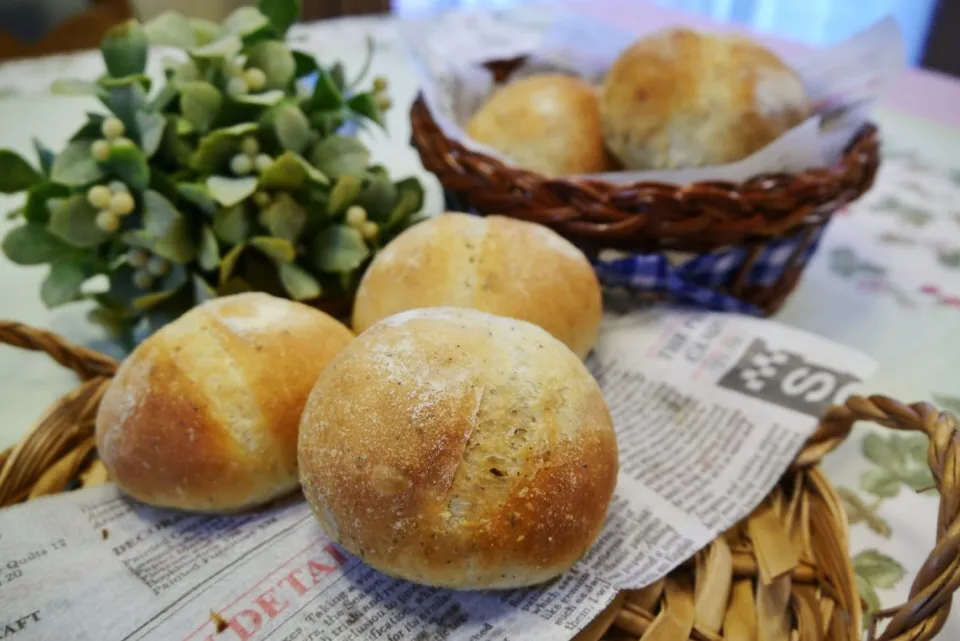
pixel 460 449
pixel 203 415
pixel 678 98
pixel 546 122
pixel 494 264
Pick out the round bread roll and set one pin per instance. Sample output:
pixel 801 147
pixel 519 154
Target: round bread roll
pixel 549 123
pixel 459 449
pixel 495 264
pixel 203 415
pixel 679 99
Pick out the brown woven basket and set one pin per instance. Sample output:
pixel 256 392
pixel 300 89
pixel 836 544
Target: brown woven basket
pixel 650 217
pixel 781 574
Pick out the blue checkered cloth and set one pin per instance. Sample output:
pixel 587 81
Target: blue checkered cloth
pixel 695 282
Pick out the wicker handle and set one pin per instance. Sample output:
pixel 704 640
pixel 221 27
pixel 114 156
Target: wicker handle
pixel 919 619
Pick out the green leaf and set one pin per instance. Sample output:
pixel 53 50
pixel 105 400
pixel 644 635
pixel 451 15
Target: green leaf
pixel 290 171
pixel 37 208
pixel 204 31
pixel 74 221
pixel 216 148
pixel 16 174
pixel 232 225
pixel 284 218
pixel 279 249
pixel 62 284
pixel 74 87
pixel 229 262
pixel 339 76
pixel 881 483
pixel 209 255
pixel 298 282
pixel 198 195
pixel 141 303
pixel 171 29
pixel 129 164
pixel 918 479
pixel 265 99
pixel 305 64
pixel 124 49
pixel 878 569
pixel 151 131
pixel 326 95
pixel 125 102
pixel 230 191
pixel 344 193
pixel 883 452
pixel 169 228
pixel 200 103
pixel 292 128
pixel 339 248
pixel 410 200
pixel 226 47
pixel 365 105
pixel 275 60
pixel 869 595
pixel 917 447
pixel 142 79
pixel 202 291
pixel 44 155
pixel 378 198
pixel 244 21
pixel 282 14
pixel 75 167
pixel 337 155
pixel 32 244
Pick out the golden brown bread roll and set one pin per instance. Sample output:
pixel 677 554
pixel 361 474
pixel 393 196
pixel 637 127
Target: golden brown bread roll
pixel 459 449
pixel 495 264
pixel 679 98
pixel 203 415
pixel 547 122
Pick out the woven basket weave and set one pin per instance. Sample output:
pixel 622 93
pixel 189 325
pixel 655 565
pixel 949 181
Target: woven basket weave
pixel 781 574
pixel 651 217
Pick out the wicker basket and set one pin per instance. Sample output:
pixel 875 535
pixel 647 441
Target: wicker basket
pixel 652 218
pixel 783 573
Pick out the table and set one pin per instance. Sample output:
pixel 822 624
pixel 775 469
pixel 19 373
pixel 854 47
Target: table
pixel 890 267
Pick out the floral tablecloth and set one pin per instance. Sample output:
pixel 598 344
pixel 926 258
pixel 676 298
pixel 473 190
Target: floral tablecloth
pixel 886 280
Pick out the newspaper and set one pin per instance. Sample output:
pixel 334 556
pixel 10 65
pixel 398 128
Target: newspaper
pixel 843 82
pixel 709 409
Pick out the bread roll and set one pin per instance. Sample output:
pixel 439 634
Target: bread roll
pixel 459 449
pixel 679 98
pixel 494 264
pixel 203 415
pixel 549 123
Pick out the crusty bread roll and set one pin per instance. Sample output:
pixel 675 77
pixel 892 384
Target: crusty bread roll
pixel 548 122
pixel 495 264
pixel 460 449
pixel 203 415
pixel 679 98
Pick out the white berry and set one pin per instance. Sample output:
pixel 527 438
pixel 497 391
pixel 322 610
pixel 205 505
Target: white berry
pixel 250 146
pixel 356 216
pixel 138 257
pixel 99 196
pixel 384 103
pixel 157 266
pixel 108 221
pixel 370 230
pixel 142 279
pixel 100 150
pixel 118 143
pixel 379 84
pixel 237 86
pixel 121 203
pixel 241 165
pixel 112 128
pixel 255 78
pixel 262 162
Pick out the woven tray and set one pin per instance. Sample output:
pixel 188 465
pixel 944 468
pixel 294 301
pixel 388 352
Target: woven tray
pixel 781 574
pixel 651 217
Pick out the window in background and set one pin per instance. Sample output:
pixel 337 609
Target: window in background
pixel 814 22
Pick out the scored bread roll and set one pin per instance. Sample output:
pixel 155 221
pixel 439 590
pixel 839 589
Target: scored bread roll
pixel 547 122
pixel 495 264
pixel 459 449
pixel 678 98
pixel 203 414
